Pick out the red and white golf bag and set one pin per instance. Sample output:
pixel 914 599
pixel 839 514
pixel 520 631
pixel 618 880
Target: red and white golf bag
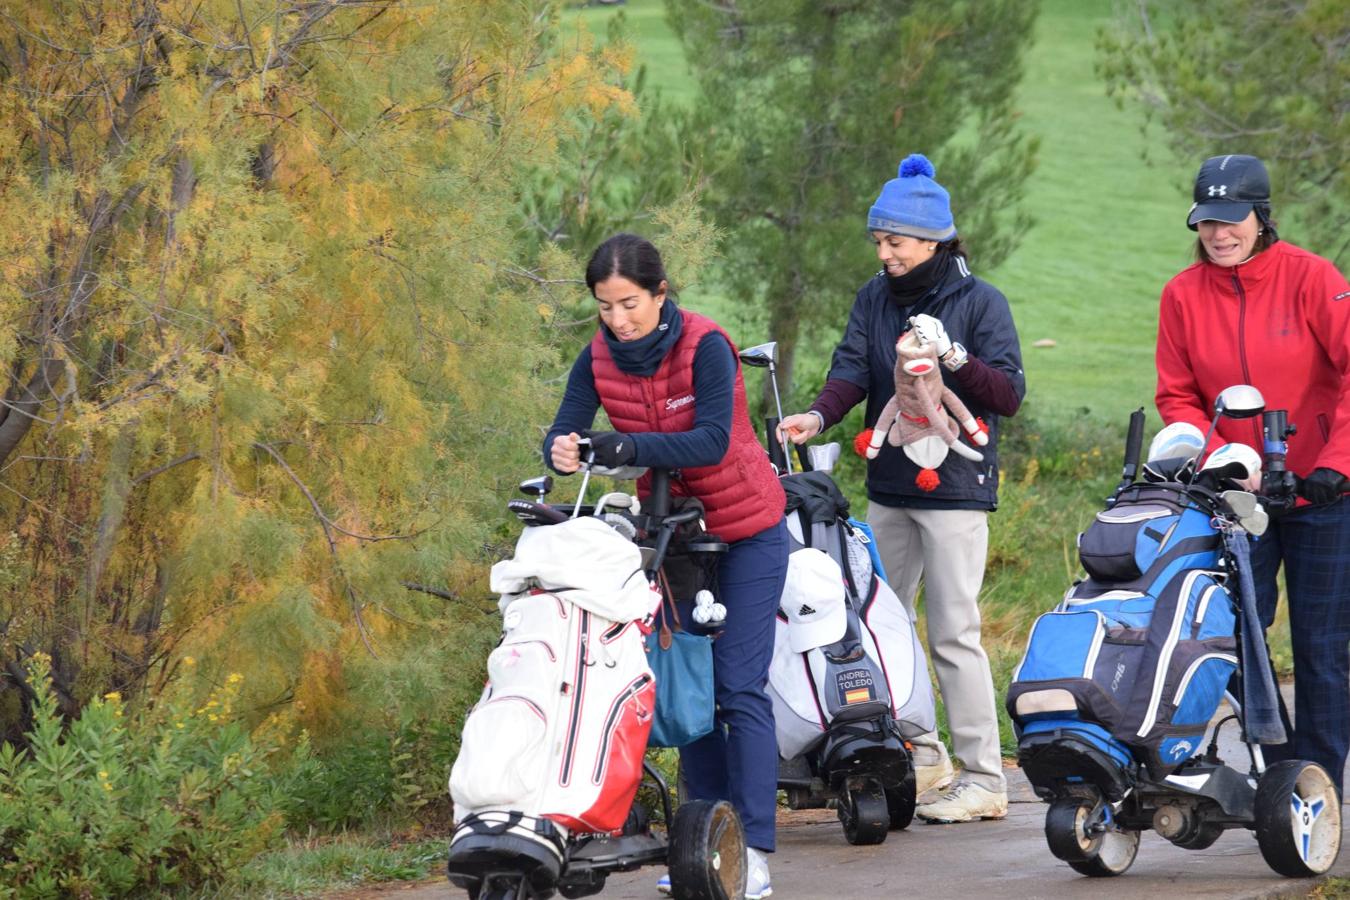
pixel 555 745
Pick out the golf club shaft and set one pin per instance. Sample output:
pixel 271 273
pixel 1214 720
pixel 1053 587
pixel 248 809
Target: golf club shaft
pixel 581 494
pixel 778 405
pixel 588 459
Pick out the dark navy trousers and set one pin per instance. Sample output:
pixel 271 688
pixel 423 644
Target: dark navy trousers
pixel 1314 545
pixel 738 761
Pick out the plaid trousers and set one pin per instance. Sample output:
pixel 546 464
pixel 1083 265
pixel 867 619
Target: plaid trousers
pixel 1314 545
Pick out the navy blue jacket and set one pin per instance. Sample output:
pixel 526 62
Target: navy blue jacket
pixel 975 314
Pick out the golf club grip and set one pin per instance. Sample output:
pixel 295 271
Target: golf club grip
pixel 1134 444
pixel 802 457
pixel 776 455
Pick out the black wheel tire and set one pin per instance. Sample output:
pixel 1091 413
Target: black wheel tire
pixel 864 814
pixel 1097 855
pixel 500 889
pixel 573 891
pixel 706 855
pixel 469 885
pixel 900 803
pixel 1065 830
pixel 1204 836
pixel 1119 849
pixel 1298 819
pixel 639 820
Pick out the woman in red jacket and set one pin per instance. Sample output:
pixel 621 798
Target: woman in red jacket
pixel 670 382
pixel 1257 310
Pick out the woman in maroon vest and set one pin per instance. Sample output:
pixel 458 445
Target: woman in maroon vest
pixel 670 382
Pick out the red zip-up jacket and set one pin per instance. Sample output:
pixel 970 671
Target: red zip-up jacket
pixel 1280 322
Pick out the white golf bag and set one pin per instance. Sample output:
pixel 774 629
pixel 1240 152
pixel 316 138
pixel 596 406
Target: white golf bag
pixel 875 669
pixel 555 745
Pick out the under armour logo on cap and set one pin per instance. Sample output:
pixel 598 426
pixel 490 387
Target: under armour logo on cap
pixel 1218 190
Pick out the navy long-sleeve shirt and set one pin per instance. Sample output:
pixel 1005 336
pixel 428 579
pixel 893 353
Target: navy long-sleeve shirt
pixel 703 445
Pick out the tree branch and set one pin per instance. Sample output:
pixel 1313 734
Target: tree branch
pixel 146 476
pixel 428 589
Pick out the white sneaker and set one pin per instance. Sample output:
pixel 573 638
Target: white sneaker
pixel 757 884
pixel 965 802
pixel 935 777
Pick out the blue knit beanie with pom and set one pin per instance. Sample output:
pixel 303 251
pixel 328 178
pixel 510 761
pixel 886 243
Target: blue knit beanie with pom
pixel 913 204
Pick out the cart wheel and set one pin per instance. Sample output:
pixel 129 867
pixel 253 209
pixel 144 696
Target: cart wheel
pixel 706 858
pixel 638 821
pixel 1073 831
pixel 864 814
pixel 1298 819
pixel 470 885
pixel 583 889
pixel 900 803
pixel 501 887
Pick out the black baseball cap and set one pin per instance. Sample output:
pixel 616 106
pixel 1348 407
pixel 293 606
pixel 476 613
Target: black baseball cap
pixel 1228 188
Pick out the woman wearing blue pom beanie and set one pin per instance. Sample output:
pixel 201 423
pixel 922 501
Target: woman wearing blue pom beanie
pixel 932 524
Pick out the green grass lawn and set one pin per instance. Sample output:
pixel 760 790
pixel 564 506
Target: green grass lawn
pixel 1109 230
pixel 310 867
pixel 657 48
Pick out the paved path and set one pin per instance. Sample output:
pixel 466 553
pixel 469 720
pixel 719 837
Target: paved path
pixel 990 860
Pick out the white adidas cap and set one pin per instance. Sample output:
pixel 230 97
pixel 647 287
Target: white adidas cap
pixel 814 600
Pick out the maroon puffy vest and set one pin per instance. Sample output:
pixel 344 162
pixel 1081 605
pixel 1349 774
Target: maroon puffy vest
pixel 741 495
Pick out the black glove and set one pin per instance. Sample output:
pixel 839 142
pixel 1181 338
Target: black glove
pixel 1323 486
pixel 613 448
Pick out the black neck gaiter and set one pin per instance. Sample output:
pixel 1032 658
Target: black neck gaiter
pixel 643 356
pixel 917 283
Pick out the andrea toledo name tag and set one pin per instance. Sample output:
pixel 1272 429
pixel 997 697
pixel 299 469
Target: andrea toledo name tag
pixel 855 686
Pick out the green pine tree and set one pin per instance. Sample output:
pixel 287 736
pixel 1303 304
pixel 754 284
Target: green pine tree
pixel 806 108
pixel 1267 79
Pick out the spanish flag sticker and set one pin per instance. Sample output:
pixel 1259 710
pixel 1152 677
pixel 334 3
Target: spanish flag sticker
pixel 857 695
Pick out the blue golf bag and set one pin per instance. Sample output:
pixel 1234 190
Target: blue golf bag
pixel 1113 700
pixel 1129 667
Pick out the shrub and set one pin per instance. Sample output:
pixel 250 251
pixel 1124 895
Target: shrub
pixel 117 805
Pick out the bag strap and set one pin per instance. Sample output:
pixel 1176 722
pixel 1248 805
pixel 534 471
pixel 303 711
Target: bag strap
pixel 668 612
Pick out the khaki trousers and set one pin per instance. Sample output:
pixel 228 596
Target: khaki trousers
pixel 947 548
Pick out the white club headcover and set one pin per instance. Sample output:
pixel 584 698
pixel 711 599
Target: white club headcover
pixel 1239 454
pixel 1178 440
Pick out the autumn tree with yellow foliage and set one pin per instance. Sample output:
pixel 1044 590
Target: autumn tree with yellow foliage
pixel 271 366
